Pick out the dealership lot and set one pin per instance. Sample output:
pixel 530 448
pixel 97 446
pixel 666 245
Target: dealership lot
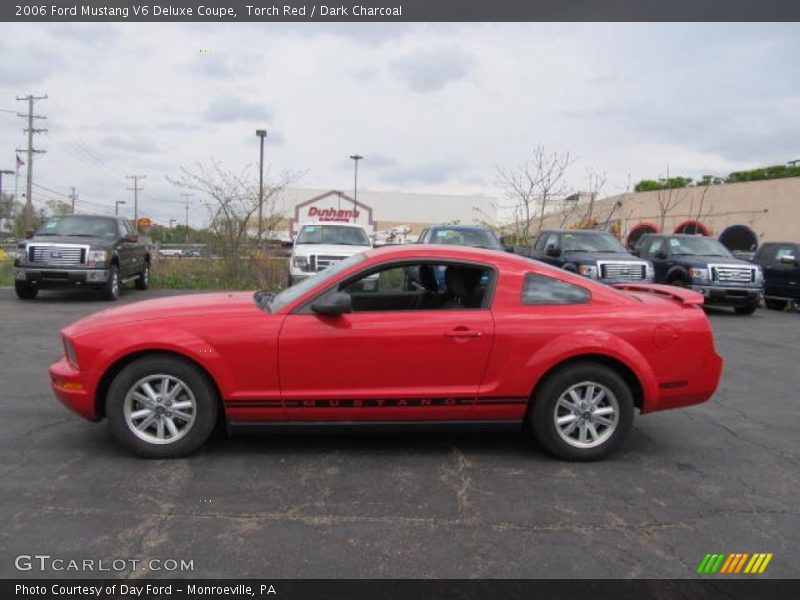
pixel 720 477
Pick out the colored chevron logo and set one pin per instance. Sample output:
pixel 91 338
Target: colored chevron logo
pixel 734 564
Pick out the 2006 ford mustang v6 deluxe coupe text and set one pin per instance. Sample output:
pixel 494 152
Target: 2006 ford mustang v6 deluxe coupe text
pixel 376 339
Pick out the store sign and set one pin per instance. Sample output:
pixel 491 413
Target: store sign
pixel 332 208
pixel 333 215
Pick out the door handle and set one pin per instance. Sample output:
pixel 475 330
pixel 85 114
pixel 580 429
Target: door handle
pixel 464 333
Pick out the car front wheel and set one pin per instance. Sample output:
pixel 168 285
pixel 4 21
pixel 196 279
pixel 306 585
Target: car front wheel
pixel 582 412
pixel 775 304
pixel 112 286
pixel 162 407
pixel 25 291
pixel 748 309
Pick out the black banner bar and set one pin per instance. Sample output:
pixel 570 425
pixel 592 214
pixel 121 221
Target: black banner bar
pixel 731 588
pixel 398 10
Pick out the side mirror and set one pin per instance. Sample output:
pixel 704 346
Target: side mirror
pixel 553 251
pixel 29 234
pixel 788 259
pixel 660 255
pixel 133 238
pixel 336 304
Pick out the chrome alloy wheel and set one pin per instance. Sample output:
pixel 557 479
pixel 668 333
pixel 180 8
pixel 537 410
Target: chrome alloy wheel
pixel 146 276
pixel 114 284
pixel 160 409
pixel 586 414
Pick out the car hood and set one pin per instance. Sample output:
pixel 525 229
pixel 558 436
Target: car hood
pixel 700 261
pixel 592 257
pixel 213 305
pixel 83 240
pixel 305 249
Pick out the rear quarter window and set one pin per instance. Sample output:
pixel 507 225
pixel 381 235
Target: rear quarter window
pixel 541 289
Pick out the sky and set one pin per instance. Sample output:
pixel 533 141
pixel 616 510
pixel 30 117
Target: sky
pixel 433 107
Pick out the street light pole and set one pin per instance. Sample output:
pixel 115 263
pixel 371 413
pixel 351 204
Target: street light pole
pixel 116 208
pixel 261 133
pixel 11 206
pixel 356 158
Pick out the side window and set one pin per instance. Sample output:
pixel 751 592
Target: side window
pixel 653 246
pixel 551 239
pixel 781 251
pixel 541 289
pixel 421 286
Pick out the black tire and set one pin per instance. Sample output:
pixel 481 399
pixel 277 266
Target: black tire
pixel 546 407
pixel 205 410
pixel 25 291
pixel 775 304
pixel 748 309
pixel 113 284
pixel 143 281
pixel 678 281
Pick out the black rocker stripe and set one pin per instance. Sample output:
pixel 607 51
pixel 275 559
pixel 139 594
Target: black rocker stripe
pixel 373 402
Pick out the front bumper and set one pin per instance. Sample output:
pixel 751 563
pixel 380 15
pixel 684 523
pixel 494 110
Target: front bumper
pixel 73 388
pixel 728 296
pixel 59 277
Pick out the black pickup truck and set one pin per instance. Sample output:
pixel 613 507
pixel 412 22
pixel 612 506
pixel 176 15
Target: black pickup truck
pixel 706 266
pixel 593 254
pixel 781 264
pixel 81 251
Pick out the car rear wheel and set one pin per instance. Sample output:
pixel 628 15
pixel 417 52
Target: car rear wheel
pixel 112 286
pixel 748 309
pixel 775 304
pixel 143 281
pixel 162 407
pixel 25 291
pixel 582 412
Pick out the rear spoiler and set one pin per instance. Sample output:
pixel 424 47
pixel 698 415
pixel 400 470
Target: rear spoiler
pixel 672 292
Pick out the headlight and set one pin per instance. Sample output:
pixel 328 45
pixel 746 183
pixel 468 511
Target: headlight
pixel 69 352
pixel 589 271
pixel 700 275
pixel 300 262
pixel 96 257
pixel 649 273
pixel 759 275
pixel 21 255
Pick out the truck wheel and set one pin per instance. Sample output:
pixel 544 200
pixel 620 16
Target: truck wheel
pixel 775 304
pixel 25 291
pixel 162 407
pixel 582 412
pixel 749 309
pixel 143 281
pixel 111 289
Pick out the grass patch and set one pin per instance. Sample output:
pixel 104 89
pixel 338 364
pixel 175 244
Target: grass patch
pixel 208 274
pixel 6 272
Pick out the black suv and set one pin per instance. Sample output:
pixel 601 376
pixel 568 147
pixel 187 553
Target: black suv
pixel 594 254
pixel 780 262
pixel 84 251
pixel 706 266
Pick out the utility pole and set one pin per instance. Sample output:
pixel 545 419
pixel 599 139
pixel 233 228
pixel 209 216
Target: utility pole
pixel 261 133
pixel 73 196
pixel 186 197
pixel 356 158
pixel 11 205
pixel 136 189
pixel 30 99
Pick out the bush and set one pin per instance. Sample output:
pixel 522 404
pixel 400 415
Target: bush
pixel 216 274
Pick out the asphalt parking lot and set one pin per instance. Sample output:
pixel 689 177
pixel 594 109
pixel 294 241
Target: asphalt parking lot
pixel 720 477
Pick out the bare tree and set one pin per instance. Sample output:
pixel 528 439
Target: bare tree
pixel 531 187
pixel 668 198
pixel 233 199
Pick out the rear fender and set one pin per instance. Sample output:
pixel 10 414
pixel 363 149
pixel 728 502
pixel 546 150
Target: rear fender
pixel 590 342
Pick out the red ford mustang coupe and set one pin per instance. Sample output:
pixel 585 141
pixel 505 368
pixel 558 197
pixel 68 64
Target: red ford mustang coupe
pixel 413 335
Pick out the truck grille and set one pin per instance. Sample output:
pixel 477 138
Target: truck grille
pixel 624 271
pixel 732 274
pixel 323 261
pixel 57 255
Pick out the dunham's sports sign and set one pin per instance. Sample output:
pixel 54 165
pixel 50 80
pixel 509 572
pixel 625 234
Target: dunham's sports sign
pixel 332 207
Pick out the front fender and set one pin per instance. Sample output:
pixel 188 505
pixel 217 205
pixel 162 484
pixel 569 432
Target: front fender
pixel 591 342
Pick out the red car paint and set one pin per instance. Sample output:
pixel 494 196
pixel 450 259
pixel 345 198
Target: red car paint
pixel 420 365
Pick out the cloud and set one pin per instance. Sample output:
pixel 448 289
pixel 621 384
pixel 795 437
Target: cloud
pixel 232 109
pixel 425 173
pixel 135 144
pixel 430 69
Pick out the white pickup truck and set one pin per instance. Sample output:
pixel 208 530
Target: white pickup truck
pixel 318 246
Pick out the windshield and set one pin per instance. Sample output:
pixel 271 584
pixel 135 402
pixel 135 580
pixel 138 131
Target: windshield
pixel 592 242
pixel 332 234
pixel 290 294
pixel 76 225
pixel 479 238
pixel 701 246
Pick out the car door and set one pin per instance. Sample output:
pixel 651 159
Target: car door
pixel 553 240
pixel 780 271
pixel 656 250
pixel 124 248
pixel 401 363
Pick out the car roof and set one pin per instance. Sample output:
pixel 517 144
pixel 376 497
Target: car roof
pixel 460 227
pixel 447 251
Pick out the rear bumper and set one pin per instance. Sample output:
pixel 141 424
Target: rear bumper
pixel 72 387
pixel 44 277
pixel 728 296
pixel 697 389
